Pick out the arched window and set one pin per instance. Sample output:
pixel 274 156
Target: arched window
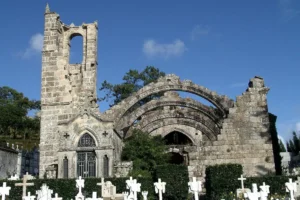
pixel 86 141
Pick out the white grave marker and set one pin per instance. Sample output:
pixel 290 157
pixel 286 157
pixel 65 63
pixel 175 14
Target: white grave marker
pixel 160 188
pixel 242 179
pixel 79 185
pixel 29 197
pixel 24 184
pixel 125 195
pixel 14 178
pixel 291 187
pixel 145 194
pixel 134 188
pixel 44 193
pixel 4 191
pixel 56 197
pixel 94 197
pixel 254 195
pixel 195 188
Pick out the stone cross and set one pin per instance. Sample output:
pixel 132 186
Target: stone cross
pixel 79 185
pixel 44 193
pixel 242 179
pixel 145 194
pixel 125 195
pixel 133 187
pixel 29 197
pixel 297 193
pixel 4 191
pixel 24 184
pixel 265 188
pixel 56 197
pixel 254 195
pixel 291 188
pixel 195 188
pixel 160 188
pixel 94 197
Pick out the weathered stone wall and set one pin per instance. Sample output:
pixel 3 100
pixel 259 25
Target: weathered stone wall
pixel 8 162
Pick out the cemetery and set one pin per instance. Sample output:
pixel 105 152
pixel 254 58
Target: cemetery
pixel 227 150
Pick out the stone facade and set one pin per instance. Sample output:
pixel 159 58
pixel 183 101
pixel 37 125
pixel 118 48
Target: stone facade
pixel 8 161
pixel 76 135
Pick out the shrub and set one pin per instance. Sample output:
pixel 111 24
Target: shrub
pixel 176 177
pixel 222 180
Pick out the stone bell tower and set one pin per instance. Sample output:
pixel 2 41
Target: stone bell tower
pixel 66 88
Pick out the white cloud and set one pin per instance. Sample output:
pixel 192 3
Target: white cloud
pixel 35 46
pixel 151 49
pixel 198 31
pixel 288 12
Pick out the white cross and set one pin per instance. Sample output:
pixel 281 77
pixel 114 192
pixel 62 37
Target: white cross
pixel 195 188
pixel 254 195
pixel 29 197
pixel 291 188
pixel 134 188
pixel 80 185
pixel 4 191
pixel 242 179
pixel 125 195
pixel 94 197
pixel 160 187
pixel 56 197
pixel 145 194
pixel 24 184
pixel 265 188
pixel 44 193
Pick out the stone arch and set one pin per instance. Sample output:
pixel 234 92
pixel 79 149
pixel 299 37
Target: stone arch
pixel 188 122
pixel 129 119
pixel 82 132
pixel 158 116
pixel 171 83
pixel 175 127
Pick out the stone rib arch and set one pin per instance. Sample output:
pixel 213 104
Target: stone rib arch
pixel 170 83
pixel 128 120
pixel 188 122
pixel 157 116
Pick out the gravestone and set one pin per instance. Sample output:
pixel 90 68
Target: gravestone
pixel 79 185
pixel 291 187
pixel 14 178
pixel 133 187
pixel 254 195
pixel 44 193
pixel 160 188
pixel 297 193
pixel 241 191
pixel 94 197
pixel 56 197
pixel 145 194
pixel 195 188
pixel 24 184
pixel 29 197
pixel 108 191
pixel 4 191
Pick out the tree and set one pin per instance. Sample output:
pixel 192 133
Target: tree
pixel 293 145
pixel 14 107
pixel 281 146
pixel 146 152
pixel 132 82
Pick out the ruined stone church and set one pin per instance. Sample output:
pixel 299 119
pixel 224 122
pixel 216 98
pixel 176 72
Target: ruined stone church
pixel 78 140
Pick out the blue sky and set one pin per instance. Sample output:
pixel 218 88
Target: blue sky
pixel 217 44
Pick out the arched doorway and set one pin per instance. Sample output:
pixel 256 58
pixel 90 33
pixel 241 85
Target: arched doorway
pixel 177 141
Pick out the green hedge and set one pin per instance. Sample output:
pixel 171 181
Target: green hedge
pixel 176 177
pixel 222 180
pixel 66 188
